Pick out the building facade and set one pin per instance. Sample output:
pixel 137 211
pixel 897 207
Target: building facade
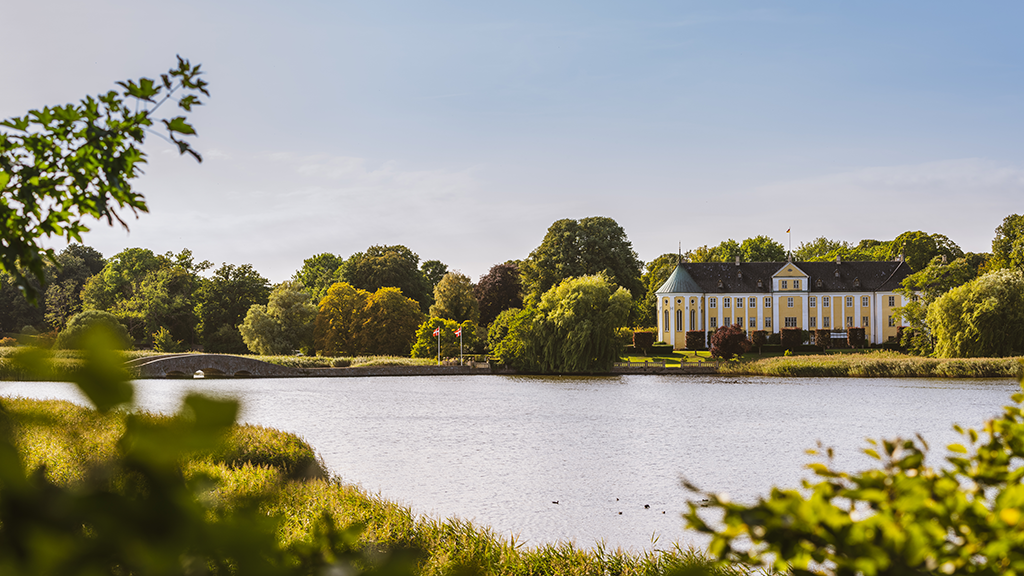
pixel 774 295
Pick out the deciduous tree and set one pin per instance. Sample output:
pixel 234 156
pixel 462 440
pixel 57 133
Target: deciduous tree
pixel 222 303
pixel 920 289
pixel 498 290
pixel 426 342
pixel 762 249
pixel 389 323
pixel 454 299
pixel 319 272
pixel 339 319
pixel 729 341
pixel 1008 244
pixel 656 273
pixel 383 266
pixel 285 324
pixel 980 318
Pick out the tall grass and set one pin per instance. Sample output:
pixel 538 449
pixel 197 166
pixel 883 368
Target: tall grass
pixel 270 468
pixel 877 364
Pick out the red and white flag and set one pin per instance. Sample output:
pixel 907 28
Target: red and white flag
pixel 459 331
pixel 437 331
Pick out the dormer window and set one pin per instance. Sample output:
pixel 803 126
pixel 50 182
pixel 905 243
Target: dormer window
pixel 856 282
pixel 720 283
pixel 760 284
pixel 837 273
pixel 818 283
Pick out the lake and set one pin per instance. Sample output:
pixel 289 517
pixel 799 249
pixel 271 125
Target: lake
pixel 500 450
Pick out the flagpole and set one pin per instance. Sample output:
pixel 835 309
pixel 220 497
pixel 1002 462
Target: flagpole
pixel 460 347
pixel 438 346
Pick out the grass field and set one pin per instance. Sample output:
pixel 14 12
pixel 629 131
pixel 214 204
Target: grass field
pixel 282 473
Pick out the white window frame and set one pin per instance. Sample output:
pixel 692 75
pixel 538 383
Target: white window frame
pixel 789 302
pixel 892 302
pixel 826 301
pixel 849 301
pixel 767 321
pixel 812 322
pixel 865 301
pixel 796 284
pixel 753 302
pixel 790 321
pixel 713 322
pixel 712 303
pixel 784 285
pixel 726 302
pixel 826 322
pixel 812 302
pixel 739 301
pixel 767 301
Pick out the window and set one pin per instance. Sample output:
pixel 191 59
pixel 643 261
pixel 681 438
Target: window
pixel 739 321
pixel 865 301
pixel 785 284
pixel 679 320
pixel 726 321
pixel 825 301
pixel 789 302
pixel 849 321
pixel 665 327
pixel 739 302
pixel 814 321
pixel 826 322
pixel 726 302
pixel 891 321
pixel 796 284
pixel 892 302
pixel 714 322
pixel 767 322
pixel 752 322
pixel 713 303
pixel 753 302
pixel 849 301
pixel 813 301
pixel 790 321
pixel 767 301
pixel 864 324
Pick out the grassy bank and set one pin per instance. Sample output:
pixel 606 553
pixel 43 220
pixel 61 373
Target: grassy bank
pixel 875 364
pixel 282 473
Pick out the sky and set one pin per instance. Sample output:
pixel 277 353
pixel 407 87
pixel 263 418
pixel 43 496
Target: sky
pixel 463 130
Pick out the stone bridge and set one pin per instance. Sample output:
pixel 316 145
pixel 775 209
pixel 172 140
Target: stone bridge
pixel 210 365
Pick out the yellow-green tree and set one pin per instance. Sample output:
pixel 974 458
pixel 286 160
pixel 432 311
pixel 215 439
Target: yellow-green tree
pixel 426 342
pixel 454 299
pixel 980 318
pixel 339 319
pixel 389 322
pixel 285 324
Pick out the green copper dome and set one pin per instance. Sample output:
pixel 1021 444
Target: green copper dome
pixel 679 282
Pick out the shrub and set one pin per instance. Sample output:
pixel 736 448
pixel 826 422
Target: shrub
pixel 82 323
pixel 696 340
pixel 730 341
pixel 661 348
pixel 8 342
pixel 823 338
pixel 164 342
pixel 775 338
pixel 791 338
pixel 341 362
pixel 643 340
pixel 758 338
pixel 855 337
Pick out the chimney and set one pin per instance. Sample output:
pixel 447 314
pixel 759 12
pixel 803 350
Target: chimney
pixel 943 258
pixel 737 260
pixel 839 259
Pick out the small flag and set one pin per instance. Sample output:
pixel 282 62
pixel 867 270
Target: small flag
pixel 437 331
pixel 787 230
pixel 459 331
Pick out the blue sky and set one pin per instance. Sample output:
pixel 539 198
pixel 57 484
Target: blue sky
pixel 464 129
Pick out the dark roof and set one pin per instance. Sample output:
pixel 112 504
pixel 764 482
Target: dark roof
pixel 679 281
pixel 852 276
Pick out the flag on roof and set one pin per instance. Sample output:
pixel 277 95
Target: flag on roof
pixel 787 230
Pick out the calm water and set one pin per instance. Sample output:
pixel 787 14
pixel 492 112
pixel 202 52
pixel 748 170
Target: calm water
pixel 500 450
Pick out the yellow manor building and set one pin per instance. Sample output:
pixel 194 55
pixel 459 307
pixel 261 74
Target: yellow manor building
pixel 774 295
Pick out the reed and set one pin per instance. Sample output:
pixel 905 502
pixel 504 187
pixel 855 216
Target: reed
pixel 877 365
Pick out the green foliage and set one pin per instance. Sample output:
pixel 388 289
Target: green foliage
pixel 163 341
pixel 980 318
pixel 728 342
pixel 454 299
pixel 574 248
pixel 880 364
pixel 426 343
pixel 656 273
pixel 354 321
pixel 762 249
pixel 318 273
pixel 498 290
pixel 433 271
pixel 1008 244
pixel 498 329
pixel 285 324
pixel 902 517
pixel 388 266
pixel 919 248
pixel 571 330
pixel 222 303
pixel 62 165
pixel 921 289
pixel 84 322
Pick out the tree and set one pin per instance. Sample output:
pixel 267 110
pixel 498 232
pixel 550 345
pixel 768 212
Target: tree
pixel 901 517
pixel 729 341
pixel 62 165
pixel 454 299
pixel 339 319
pixel 819 249
pixel 222 303
pixel 585 247
pixel 83 323
pixel 389 323
pixel 319 272
pixel 572 328
pixel 762 249
pixel 500 327
pixel 1008 244
pixel 656 273
pixel 283 325
pixel 426 342
pixel 383 266
pixel 433 271
pixel 920 289
pixel 919 248
pixel 498 290
pixel 980 318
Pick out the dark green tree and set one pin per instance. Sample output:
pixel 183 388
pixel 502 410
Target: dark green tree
pixel 64 165
pixel 1008 244
pixel 574 248
pixel 222 303
pixel 433 271
pixel 656 273
pixel 384 266
pixel 762 249
pixel 919 248
pixel 82 324
pixel 498 290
